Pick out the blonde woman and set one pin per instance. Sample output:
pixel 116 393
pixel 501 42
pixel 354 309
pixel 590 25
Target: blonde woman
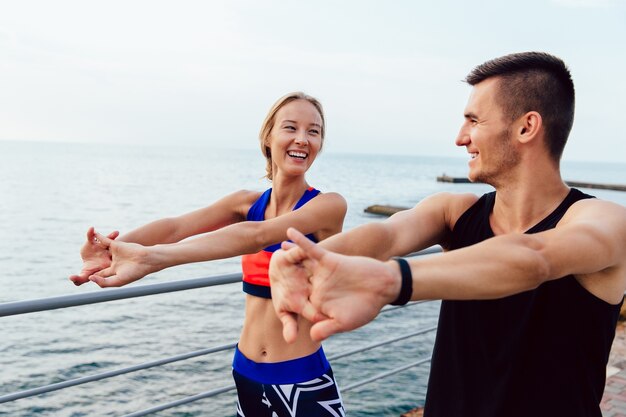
pixel 273 378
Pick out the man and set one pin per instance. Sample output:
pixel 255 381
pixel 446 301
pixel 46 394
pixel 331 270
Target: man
pixel 532 277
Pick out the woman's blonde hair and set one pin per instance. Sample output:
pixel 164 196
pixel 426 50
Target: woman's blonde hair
pixel 270 120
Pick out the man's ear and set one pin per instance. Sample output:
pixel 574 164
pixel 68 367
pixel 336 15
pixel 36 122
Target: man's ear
pixel 528 126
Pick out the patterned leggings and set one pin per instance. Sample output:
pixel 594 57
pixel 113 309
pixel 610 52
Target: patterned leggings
pixel 303 387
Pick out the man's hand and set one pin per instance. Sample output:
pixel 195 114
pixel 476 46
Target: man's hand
pixel 290 287
pixel 94 256
pixel 345 292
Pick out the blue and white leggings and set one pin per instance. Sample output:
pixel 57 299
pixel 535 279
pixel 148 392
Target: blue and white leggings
pixel 303 387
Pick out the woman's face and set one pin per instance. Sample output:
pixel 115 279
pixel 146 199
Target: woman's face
pixel 296 138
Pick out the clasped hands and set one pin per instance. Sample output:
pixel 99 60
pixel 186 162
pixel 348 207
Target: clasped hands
pixel 335 292
pixel 111 263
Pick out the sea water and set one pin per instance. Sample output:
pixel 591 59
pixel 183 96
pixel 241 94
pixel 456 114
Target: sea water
pixel 50 193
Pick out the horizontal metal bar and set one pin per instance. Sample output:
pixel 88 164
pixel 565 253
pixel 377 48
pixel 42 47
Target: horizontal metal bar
pixel 330 358
pixel 182 401
pixel 109 374
pixel 384 342
pixel 52 303
pixel 385 374
pixel 428 251
pixel 113 294
pixel 218 391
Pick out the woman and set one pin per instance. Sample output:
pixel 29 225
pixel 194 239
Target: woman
pixel 273 378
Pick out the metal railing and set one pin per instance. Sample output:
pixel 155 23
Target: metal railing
pixel 52 303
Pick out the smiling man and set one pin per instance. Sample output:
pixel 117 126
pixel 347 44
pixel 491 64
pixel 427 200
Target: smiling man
pixel 532 277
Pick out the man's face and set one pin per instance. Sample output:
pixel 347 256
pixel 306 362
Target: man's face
pixel 486 135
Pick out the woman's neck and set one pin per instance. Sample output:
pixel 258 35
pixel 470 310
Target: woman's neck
pixel 285 194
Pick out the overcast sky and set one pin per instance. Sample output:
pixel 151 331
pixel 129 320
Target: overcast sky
pixel 205 72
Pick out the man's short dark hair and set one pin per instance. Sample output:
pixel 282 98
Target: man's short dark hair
pixel 533 81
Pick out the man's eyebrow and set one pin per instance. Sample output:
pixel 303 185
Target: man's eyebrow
pixel 470 115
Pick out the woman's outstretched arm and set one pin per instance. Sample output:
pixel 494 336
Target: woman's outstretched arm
pixel 228 210
pixel 322 216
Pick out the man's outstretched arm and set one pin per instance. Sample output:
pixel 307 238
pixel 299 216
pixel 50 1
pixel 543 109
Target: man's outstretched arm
pixel 346 292
pixel 428 223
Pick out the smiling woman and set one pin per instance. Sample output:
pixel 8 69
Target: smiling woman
pixel 266 369
pixel 300 127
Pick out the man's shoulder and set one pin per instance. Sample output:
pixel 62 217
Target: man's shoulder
pixel 595 207
pixel 462 200
pixel 454 204
pixel 454 199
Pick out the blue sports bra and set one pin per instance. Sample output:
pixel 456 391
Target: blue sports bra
pixel 255 267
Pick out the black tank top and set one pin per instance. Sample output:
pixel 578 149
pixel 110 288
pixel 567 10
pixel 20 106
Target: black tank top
pixel 538 353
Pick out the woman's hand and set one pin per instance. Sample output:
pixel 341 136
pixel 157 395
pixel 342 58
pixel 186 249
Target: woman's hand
pixel 94 256
pixel 129 262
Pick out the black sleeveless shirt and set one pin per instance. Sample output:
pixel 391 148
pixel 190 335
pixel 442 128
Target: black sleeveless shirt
pixel 538 353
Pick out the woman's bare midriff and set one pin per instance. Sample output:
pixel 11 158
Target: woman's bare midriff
pixel 262 334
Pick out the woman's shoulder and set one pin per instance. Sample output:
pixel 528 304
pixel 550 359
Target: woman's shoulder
pixel 330 203
pixel 333 198
pixel 330 210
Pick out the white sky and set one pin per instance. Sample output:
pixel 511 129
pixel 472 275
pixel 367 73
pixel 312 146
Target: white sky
pixel 205 72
